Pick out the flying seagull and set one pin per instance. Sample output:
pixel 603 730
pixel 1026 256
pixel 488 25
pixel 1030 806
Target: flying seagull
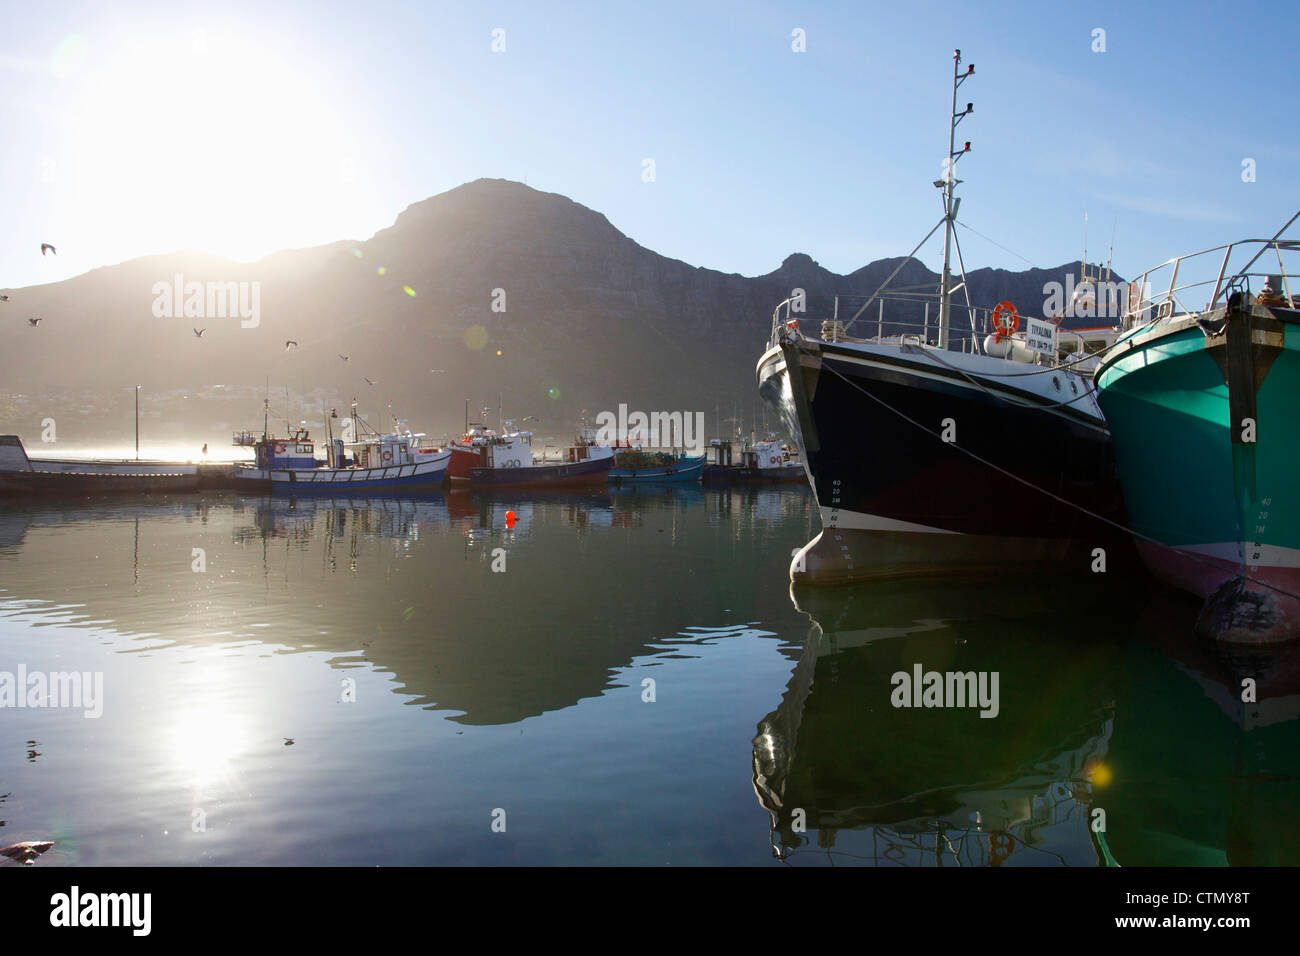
pixel 367 381
pixel 290 344
pixel 344 357
pixel 46 245
pixel 198 333
pixel 33 322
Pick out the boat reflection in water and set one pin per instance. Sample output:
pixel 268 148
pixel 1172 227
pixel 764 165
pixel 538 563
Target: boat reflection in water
pixel 839 767
pixel 1201 776
pixel 1116 740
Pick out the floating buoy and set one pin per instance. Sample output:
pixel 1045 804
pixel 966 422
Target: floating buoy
pixel 510 519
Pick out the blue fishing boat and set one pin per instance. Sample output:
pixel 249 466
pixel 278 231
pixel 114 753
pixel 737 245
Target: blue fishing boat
pixel 632 467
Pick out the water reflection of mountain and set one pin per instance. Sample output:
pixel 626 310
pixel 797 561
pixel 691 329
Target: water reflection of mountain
pixel 938 786
pixel 592 583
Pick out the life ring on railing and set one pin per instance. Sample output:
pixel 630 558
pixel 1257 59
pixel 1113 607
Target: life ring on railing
pixel 388 456
pixel 774 460
pixel 279 448
pixel 1005 320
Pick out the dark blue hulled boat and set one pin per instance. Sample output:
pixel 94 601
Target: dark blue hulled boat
pixel 386 464
pixel 753 462
pixel 632 467
pixel 507 461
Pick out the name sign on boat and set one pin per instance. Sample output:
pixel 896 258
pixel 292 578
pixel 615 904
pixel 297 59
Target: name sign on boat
pixel 1040 337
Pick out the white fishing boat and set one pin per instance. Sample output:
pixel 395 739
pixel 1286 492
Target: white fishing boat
pixel 375 464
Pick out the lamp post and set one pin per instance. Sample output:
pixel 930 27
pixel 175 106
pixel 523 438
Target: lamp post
pixel 137 423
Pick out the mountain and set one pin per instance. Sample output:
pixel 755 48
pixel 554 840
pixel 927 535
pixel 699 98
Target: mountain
pixel 491 291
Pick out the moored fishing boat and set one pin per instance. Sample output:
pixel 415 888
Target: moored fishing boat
pixel 632 467
pixel 935 450
pixel 467 453
pixel 758 462
pixel 21 475
pixel 378 464
pixel 1201 394
pixel 507 460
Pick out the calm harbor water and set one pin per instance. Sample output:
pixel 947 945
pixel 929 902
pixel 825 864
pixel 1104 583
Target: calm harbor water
pixel 349 681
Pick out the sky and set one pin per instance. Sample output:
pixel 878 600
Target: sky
pixel 240 128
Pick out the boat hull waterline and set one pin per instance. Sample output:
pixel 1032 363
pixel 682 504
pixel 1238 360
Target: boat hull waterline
pixel 689 469
pixel 423 476
pixel 1203 411
pixel 590 472
pixel 896 501
pixel 21 475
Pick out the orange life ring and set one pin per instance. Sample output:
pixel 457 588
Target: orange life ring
pixel 279 448
pixel 1005 319
pixel 773 460
pixel 388 456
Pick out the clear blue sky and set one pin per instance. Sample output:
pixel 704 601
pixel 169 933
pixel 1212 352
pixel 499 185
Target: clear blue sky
pixel 243 127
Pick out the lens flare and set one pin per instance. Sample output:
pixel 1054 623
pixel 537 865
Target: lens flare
pixel 476 337
pixel 69 55
pixel 1101 775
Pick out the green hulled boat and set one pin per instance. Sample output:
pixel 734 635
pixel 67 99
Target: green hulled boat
pixel 1204 408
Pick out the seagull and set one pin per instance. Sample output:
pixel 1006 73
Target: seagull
pixel 46 245
pixel 288 741
pixel 290 344
pixel 344 357
pixel 437 370
pixel 33 322
pixel 198 333
pixel 367 381
pixel 4 298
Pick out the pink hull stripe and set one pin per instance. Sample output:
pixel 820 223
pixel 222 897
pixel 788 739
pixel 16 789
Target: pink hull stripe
pixel 1202 573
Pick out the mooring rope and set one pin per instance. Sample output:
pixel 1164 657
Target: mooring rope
pixel 1029 484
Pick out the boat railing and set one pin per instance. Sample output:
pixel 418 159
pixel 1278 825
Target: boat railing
pixel 835 329
pixel 1200 281
pixel 966 333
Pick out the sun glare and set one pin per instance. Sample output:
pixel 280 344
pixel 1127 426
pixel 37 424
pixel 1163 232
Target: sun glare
pixel 209 140
pixel 204 745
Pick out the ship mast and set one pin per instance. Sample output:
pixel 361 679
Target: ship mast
pixel 949 185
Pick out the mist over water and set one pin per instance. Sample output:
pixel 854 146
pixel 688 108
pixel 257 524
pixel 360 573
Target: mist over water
pixel 157 450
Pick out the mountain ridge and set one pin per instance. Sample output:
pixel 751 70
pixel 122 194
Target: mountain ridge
pixel 490 288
